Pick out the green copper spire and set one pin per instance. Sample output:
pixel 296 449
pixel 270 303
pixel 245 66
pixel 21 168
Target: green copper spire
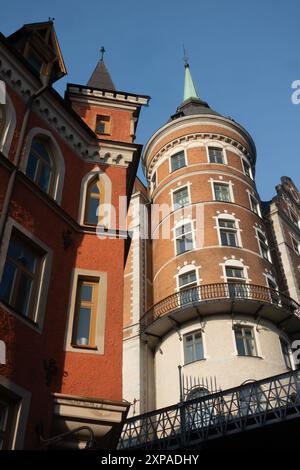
pixel 189 87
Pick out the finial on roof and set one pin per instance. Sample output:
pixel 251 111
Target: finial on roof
pixel 185 57
pixel 102 52
pixel 51 20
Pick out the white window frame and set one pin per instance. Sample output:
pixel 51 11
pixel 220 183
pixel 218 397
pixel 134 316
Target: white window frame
pixel 245 161
pixel 44 275
pixel 250 195
pixel 185 186
pixel 193 332
pixel 175 238
pixel 104 178
pixel 216 146
pixel 237 229
pixel 9 125
pixel 257 231
pixel 178 150
pixel 101 311
pixel 57 156
pixel 229 185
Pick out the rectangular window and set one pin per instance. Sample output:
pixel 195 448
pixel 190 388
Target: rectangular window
pixel 188 278
pixel 102 124
pixel 215 155
pixel 247 168
pixel 245 342
pixel 184 238
pixel 177 161
pixel 237 286
pixel 85 318
pixel 21 276
pixel 193 347
pixel 180 198
pixel 186 283
pixel 286 353
pixel 263 244
pixel 254 205
pixel 222 192
pixel 228 232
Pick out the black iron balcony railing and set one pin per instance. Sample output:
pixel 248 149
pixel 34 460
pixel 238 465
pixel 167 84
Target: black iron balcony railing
pixel 193 422
pixel 219 291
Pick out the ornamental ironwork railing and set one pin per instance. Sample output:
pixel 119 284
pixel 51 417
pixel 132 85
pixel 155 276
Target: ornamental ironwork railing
pixel 218 291
pixel 193 422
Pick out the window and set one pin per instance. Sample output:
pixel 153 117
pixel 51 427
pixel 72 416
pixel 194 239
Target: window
pixel 247 169
pixel 186 283
pixel 102 124
pixel 275 297
pixel 254 205
pixel 263 245
pixel 295 245
pixel 84 328
pixel 180 198
pixel 222 192
pixel 193 347
pixel 153 181
pixel 245 342
pixel 40 166
pixel 228 232
pixel 236 281
pixel 188 279
pixel 286 353
pixel 184 238
pixel 93 199
pixel 199 414
pixel 21 276
pixel 215 155
pixel 234 273
pixel 252 400
pixel 177 161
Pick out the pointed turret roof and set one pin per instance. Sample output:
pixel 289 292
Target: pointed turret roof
pixel 189 86
pixel 191 104
pixel 101 78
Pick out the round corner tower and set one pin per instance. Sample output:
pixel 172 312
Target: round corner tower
pixel 217 313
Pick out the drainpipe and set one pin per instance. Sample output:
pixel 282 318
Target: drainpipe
pixel 10 186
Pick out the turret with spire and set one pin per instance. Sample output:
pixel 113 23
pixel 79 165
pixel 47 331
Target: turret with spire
pixel 100 77
pixel 192 103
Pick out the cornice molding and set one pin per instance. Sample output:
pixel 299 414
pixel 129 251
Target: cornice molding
pixel 195 137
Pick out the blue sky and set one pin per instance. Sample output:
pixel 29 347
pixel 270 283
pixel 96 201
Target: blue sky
pixel 244 57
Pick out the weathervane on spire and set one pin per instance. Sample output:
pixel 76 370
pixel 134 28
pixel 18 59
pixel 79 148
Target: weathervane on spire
pixel 102 52
pixel 185 57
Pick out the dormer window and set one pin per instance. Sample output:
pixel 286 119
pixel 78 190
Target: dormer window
pixel 102 124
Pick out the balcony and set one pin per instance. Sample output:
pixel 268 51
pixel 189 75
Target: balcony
pixel 222 298
pixel 272 402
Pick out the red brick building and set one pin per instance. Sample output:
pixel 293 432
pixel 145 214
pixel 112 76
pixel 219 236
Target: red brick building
pixel 64 164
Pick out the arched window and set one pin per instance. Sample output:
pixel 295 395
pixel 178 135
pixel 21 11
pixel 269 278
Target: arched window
pixel 200 413
pixel 40 166
pixel 94 196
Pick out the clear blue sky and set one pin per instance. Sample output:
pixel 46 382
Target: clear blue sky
pixel 243 55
